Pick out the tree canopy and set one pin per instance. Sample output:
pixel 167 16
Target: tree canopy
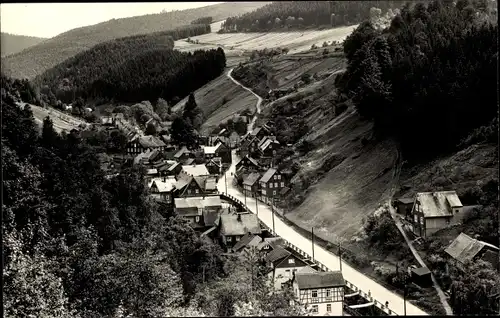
pixel 290 15
pixel 419 78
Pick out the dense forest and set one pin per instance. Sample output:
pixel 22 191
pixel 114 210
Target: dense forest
pixel 291 15
pixel 79 244
pixel 203 20
pixel 133 69
pixel 419 78
pixel 429 80
pixel 39 58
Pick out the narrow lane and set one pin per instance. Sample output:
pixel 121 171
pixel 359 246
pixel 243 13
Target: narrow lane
pixel 330 260
pixel 257 105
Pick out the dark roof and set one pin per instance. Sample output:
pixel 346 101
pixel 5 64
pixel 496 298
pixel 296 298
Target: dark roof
pixel 243 241
pixel 421 271
pixel 210 217
pixel 172 167
pixel 267 176
pixel 284 190
pixel 277 254
pixel 319 280
pixel 405 200
pixel 181 152
pixel 189 161
pixel 465 248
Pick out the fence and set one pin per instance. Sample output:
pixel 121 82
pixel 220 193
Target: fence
pixel 322 267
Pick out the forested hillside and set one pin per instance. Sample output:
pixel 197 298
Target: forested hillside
pixel 77 244
pixel 421 79
pixel 291 15
pixel 133 69
pixel 13 43
pixel 37 59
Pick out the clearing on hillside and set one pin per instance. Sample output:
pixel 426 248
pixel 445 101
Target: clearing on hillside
pixel 61 121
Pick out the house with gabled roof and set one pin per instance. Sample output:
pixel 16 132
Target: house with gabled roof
pixel 467 249
pixel 162 189
pixel 195 170
pixel 214 166
pixel 234 226
pixel 320 292
pixel 271 184
pixel 201 212
pixel 433 211
pixel 283 263
pixel 269 147
pixel 249 163
pixel 182 154
pixel 144 143
pixel 251 184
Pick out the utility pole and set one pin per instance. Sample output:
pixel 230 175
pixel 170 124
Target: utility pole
pixel 245 192
pixel 340 255
pixel 312 240
pixel 272 209
pixel 225 179
pixel 256 204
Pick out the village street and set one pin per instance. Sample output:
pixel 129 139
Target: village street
pixel 363 282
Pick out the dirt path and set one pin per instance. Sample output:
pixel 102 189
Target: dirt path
pixel 257 105
pixel 399 225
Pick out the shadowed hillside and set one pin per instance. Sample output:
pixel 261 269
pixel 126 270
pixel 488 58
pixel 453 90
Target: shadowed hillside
pixel 13 43
pixel 39 58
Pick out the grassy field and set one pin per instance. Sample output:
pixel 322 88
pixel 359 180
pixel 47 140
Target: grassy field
pixel 62 121
pixel 220 100
pixel 237 43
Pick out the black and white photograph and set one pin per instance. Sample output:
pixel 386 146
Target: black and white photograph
pixel 250 159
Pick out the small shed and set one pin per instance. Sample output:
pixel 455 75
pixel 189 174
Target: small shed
pixel 404 205
pixel 421 276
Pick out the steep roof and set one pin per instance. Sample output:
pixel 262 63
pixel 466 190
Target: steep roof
pixel 277 254
pixel 181 151
pixel 268 175
pixel 195 170
pixel 163 184
pixel 244 241
pixel 251 179
pixel 166 138
pixel 230 225
pixel 150 142
pixel 319 280
pixel 210 150
pixel 465 248
pixel 210 217
pixel 437 204
pixel 189 161
pixel 173 166
pixel 267 143
pixel 307 270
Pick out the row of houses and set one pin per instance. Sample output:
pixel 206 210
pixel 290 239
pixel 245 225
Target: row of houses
pixel 320 292
pixel 259 174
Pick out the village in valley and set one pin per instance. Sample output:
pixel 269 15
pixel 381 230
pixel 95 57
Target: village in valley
pixel 192 183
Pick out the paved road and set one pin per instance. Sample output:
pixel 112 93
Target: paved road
pixel 363 282
pixel 257 106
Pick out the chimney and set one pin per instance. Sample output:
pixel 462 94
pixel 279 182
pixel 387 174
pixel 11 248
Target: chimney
pixel 239 217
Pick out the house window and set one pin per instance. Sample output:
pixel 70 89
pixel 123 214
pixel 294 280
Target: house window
pixel 314 294
pixel 271 185
pixel 279 177
pixel 237 238
pixel 328 294
pixel 197 219
pixel 229 238
pixel 274 192
pixel 422 220
pixel 291 261
pixel 189 191
pixel 282 184
pixel 196 191
pixel 416 218
pixel 287 272
pixel 264 192
pixel 315 309
pixel 328 307
pixel 276 184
